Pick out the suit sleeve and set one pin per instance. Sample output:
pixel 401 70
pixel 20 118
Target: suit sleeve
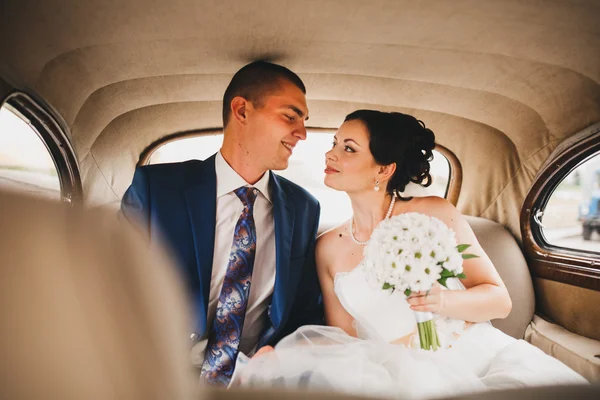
pixel 308 305
pixel 135 205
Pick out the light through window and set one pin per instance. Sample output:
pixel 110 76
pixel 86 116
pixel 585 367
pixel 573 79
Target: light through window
pixel 25 162
pixel 571 217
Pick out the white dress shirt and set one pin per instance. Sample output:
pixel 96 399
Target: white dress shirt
pixel 229 209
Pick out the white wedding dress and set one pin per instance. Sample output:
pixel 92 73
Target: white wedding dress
pixel 478 358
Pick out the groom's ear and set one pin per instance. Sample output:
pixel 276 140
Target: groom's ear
pixel 239 109
pixel 387 171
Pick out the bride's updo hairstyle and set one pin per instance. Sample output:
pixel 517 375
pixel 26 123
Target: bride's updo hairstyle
pixel 401 139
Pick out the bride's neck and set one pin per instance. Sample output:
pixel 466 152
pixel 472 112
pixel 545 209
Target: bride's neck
pixel 369 209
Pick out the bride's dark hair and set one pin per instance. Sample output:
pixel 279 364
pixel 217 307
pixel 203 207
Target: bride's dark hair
pixel 401 139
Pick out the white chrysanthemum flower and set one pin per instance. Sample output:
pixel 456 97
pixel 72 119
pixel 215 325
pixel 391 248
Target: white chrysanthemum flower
pixel 411 251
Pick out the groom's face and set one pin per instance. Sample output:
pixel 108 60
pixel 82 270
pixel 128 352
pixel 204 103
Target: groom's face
pixel 276 125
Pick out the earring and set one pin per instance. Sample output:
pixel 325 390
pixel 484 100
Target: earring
pixel 376 188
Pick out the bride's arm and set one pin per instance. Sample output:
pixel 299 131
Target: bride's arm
pixel 486 296
pixel 335 314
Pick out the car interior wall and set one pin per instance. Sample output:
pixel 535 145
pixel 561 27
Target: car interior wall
pixel 510 73
pixel 574 308
pixel 107 169
pixel 500 158
pixel 575 351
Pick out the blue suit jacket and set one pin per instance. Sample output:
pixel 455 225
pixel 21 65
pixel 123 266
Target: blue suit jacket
pixel 176 204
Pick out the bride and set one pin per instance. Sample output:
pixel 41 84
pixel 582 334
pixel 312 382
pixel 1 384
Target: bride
pixel 370 345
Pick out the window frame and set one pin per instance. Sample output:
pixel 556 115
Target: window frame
pixel 456 176
pixel 567 265
pixel 53 136
pixel 455 169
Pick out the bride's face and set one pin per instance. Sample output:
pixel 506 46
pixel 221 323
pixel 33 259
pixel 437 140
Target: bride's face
pixel 350 167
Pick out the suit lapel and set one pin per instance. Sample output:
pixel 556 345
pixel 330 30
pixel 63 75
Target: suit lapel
pixel 283 215
pixel 201 199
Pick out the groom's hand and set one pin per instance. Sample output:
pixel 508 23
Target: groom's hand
pixel 263 350
pixel 432 301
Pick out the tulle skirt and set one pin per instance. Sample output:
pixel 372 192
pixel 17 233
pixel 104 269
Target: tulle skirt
pixel 326 358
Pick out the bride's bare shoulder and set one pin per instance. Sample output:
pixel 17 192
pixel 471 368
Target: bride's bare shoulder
pixel 433 203
pixel 435 206
pixel 327 238
pixel 327 243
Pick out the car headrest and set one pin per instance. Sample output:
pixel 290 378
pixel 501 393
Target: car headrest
pixel 88 309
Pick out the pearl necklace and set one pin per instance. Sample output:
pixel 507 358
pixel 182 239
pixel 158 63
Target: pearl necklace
pixel 389 212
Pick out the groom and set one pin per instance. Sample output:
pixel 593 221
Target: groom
pixel 243 236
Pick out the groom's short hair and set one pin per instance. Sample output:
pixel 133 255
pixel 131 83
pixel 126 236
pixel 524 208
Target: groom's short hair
pixel 256 80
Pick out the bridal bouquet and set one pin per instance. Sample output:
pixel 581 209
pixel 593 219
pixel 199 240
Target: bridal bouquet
pixel 409 253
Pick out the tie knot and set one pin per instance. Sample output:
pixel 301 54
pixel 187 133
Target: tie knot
pixel 247 195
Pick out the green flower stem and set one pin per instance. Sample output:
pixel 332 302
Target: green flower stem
pixel 437 339
pixel 428 335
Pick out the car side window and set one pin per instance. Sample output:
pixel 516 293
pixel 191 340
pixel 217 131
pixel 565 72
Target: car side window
pixel 25 162
pixel 306 168
pixel 571 218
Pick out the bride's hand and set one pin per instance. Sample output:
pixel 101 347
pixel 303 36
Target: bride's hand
pixel 263 350
pixel 432 301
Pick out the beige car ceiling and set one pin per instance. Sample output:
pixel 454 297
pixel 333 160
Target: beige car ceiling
pixel 501 83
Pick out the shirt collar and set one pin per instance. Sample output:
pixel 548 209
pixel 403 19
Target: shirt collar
pixel 228 180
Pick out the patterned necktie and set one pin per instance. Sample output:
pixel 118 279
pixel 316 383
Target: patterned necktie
pixel 224 338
